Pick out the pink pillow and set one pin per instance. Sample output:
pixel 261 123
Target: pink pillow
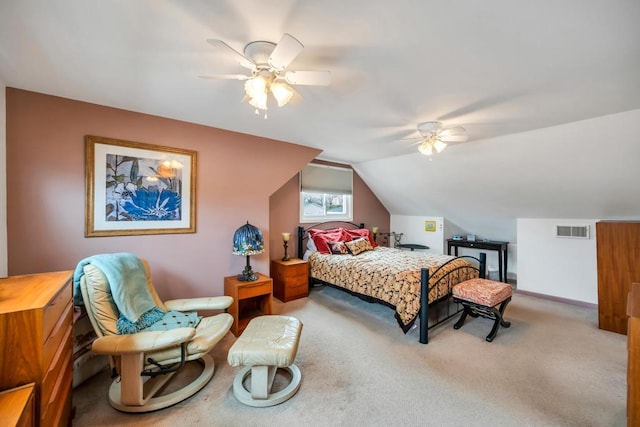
pixel 352 234
pixel 321 237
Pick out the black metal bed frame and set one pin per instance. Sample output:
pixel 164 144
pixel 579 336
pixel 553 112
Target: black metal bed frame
pixel 423 316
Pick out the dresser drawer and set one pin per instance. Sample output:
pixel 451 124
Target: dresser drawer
pixel 62 331
pixel 54 309
pixel 56 411
pixel 60 364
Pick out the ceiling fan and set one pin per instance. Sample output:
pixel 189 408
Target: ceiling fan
pixel 434 137
pixel 268 64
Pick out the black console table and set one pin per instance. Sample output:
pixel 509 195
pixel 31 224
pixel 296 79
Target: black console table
pixel 490 245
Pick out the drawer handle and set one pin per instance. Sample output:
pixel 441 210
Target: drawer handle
pixel 253 285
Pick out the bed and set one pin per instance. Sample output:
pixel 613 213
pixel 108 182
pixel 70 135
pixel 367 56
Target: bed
pixel 417 285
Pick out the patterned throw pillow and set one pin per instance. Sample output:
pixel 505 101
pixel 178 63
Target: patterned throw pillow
pixel 358 246
pixel 338 248
pixel 352 234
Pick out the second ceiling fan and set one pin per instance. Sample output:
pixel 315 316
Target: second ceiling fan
pixel 269 73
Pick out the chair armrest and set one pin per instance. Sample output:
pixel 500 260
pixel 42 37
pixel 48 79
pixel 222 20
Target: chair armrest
pixel 142 341
pixel 195 304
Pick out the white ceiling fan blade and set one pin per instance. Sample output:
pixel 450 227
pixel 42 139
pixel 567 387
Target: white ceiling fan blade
pixel 240 58
pixel 453 138
pixel 285 51
pixel 451 131
pixel 409 142
pixel 311 78
pixel 226 77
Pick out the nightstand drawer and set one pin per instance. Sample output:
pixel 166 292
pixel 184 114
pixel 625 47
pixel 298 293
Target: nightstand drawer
pixel 293 270
pixel 296 291
pixel 291 277
pixel 250 291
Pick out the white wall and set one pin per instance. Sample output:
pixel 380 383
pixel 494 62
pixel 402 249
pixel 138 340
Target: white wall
pixel 413 229
pixel 560 267
pixel 3 182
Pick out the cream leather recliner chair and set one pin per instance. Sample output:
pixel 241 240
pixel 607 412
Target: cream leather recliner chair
pixel 146 361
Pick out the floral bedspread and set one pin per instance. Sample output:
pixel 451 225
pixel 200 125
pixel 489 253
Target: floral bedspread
pixel 392 276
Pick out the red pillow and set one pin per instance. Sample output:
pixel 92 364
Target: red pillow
pixel 352 234
pixel 321 237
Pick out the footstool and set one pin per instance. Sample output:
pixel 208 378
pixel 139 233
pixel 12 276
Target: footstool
pixel 480 297
pixel 267 344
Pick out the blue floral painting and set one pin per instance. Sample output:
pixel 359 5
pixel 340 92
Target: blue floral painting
pixel 139 189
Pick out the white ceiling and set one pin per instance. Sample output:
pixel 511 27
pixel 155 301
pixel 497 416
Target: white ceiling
pixel 497 68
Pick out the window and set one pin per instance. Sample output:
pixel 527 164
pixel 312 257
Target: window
pixel 326 193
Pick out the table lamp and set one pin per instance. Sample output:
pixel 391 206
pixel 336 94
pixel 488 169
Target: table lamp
pixel 247 241
pixel 285 239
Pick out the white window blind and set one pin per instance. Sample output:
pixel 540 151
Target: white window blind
pixel 326 179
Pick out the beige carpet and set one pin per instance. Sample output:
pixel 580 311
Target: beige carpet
pixel 553 367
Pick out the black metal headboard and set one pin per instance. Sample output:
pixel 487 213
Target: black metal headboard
pixel 302 231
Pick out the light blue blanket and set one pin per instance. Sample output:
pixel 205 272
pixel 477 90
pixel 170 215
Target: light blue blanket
pixel 128 282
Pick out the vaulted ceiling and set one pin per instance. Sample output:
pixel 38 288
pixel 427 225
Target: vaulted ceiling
pixel 548 91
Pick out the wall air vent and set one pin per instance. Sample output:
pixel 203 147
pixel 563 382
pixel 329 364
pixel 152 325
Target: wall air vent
pixel 573 231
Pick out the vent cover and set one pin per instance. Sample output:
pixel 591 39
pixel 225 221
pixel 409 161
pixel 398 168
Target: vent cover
pixel 573 231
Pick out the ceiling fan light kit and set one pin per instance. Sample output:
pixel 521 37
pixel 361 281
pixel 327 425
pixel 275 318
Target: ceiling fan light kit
pixel 268 62
pixel 434 137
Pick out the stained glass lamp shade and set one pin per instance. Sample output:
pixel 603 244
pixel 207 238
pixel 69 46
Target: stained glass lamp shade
pixel 248 241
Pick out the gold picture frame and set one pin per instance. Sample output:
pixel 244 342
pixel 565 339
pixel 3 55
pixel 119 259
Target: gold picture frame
pixel 133 188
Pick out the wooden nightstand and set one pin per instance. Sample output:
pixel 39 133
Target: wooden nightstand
pixel 16 406
pixel 290 279
pixel 250 299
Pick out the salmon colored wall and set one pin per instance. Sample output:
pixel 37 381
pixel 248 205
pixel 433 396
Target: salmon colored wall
pixel 236 174
pixel 285 207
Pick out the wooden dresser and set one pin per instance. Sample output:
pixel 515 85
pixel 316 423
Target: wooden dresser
pixel 633 362
pixel 36 325
pixel 618 248
pixel 290 279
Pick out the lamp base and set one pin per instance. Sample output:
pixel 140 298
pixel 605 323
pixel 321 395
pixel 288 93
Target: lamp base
pixel 247 277
pixel 247 274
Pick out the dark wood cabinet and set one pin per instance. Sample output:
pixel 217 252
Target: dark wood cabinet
pixel 618 254
pixel 290 279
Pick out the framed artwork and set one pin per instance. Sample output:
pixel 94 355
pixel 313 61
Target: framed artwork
pixel 134 188
pixel 430 226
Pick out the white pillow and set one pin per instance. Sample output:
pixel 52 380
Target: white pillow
pixel 311 245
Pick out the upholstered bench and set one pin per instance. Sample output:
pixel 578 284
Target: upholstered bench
pixel 480 297
pixel 267 344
